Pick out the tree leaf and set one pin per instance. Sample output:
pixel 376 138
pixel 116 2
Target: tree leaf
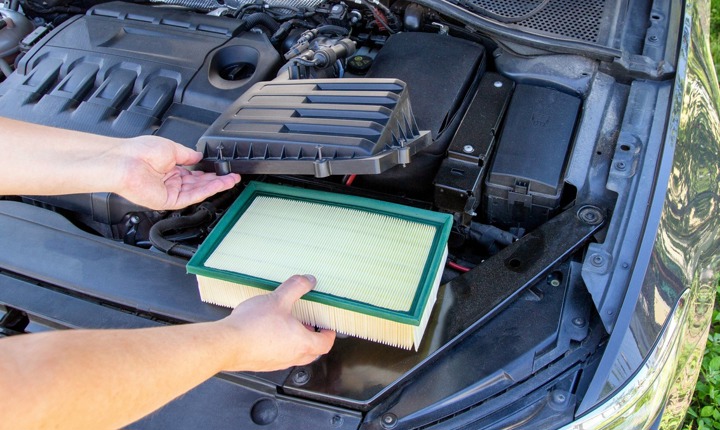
pixel 715 363
pixel 707 411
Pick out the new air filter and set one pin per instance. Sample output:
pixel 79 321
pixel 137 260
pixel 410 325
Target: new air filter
pixel 378 264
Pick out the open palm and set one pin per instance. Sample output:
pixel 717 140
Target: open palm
pixel 154 176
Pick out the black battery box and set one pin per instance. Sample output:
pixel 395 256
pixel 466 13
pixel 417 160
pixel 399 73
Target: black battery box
pixel 524 185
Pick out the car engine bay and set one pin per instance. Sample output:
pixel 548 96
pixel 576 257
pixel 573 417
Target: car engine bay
pixel 333 79
pixel 517 128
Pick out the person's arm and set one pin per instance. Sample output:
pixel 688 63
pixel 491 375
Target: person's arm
pixel 110 378
pixel 39 160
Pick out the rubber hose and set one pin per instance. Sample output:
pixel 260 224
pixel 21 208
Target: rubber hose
pixel 285 28
pixel 158 230
pixel 260 18
pixel 333 29
pixel 5 68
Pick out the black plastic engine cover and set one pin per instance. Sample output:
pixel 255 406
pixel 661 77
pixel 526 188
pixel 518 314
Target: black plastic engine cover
pixel 125 70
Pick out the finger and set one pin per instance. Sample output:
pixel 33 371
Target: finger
pixel 185 156
pixel 195 191
pixel 200 177
pixel 206 187
pixel 194 194
pixel 291 290
pixel 192 174
pixel 323 341
pixel 318 344
pixel 185 172
pixel 234 176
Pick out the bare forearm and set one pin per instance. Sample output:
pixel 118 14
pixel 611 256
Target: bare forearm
pixel 110 378
pixel 39 160
pixel 105 379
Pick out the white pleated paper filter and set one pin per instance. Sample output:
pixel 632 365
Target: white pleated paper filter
pixel 363 256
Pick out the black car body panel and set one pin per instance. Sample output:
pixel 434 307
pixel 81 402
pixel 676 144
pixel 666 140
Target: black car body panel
pixel 679 247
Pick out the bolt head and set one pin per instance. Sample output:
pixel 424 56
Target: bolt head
pixel 336 421
pixel 301 377
pixel 468 149
pixel 559 397
pixel 498 84
pixel 579 321
pixel 389 420
pixel 590 215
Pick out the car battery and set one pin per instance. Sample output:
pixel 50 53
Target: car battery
pixel 524 186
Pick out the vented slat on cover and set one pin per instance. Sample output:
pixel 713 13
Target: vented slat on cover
pixel 321 117
pixel 378 265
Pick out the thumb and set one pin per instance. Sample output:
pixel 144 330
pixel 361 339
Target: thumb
pixel 293 289
pixel 185 156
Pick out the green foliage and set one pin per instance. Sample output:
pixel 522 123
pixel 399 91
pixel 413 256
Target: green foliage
pixel 714 33
pixel 704 412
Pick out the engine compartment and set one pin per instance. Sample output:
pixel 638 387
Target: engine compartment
pixel 395 101
pixel 453 134
pixel 547 128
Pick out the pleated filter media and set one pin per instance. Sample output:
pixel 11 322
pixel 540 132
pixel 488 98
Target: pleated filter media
pixel 378 264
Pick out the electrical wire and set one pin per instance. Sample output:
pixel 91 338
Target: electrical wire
pixel 458 267
pixel 390 17
pixel 350 179
pixel 379 17
pixel 381 20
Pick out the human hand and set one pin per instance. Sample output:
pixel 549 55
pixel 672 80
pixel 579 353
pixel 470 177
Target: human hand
pixel 151 174
pixel 266 335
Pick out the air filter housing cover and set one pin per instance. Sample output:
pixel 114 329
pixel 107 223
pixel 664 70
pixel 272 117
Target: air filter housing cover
pixel 317 127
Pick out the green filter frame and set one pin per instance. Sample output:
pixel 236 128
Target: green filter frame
pixel 442 223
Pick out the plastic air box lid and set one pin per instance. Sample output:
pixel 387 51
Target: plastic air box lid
pixel 317 127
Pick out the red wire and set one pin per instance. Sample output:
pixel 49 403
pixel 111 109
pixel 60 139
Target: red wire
pixel 380 19
pixel 350 179
pixel 458 267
